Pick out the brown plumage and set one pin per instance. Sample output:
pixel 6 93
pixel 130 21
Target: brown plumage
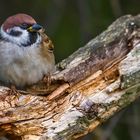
pixel 18 19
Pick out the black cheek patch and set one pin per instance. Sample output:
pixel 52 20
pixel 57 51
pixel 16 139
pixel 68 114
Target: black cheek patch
pixel 15 33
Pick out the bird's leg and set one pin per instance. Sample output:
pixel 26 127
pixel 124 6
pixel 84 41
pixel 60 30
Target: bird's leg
pixel 13 90
pixel 47 79
pixel 13 95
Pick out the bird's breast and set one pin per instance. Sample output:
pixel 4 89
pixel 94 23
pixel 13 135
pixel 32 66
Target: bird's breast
pixel 23 66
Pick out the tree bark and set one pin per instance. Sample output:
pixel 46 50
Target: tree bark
pixel 89 86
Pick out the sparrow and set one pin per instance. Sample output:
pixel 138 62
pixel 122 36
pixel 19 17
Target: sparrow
pixel 26 52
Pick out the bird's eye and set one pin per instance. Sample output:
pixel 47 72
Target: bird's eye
pixel 24 26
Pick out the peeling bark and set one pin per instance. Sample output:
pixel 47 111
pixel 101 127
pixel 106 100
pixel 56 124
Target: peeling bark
pixel 89 86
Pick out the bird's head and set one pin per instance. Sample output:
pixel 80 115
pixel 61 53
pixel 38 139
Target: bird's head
pixel 21 29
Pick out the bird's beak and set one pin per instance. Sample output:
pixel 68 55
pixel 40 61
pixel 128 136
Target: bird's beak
pixel 35 28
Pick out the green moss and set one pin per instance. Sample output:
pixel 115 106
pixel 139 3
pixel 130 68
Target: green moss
pixel 73 129
pixel 130 95
pixel 130 80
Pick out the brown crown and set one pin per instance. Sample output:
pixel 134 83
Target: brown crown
pixel 17 20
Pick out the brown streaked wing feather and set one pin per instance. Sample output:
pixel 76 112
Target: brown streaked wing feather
pixel 46 46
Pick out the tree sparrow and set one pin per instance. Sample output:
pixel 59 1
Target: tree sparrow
pixel 26 52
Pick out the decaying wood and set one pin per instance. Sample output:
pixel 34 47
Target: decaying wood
pixel 88 87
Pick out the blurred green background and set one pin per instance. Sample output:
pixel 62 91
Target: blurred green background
pixel 71 24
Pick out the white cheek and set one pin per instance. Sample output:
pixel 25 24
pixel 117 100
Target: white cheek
pixel 23 39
